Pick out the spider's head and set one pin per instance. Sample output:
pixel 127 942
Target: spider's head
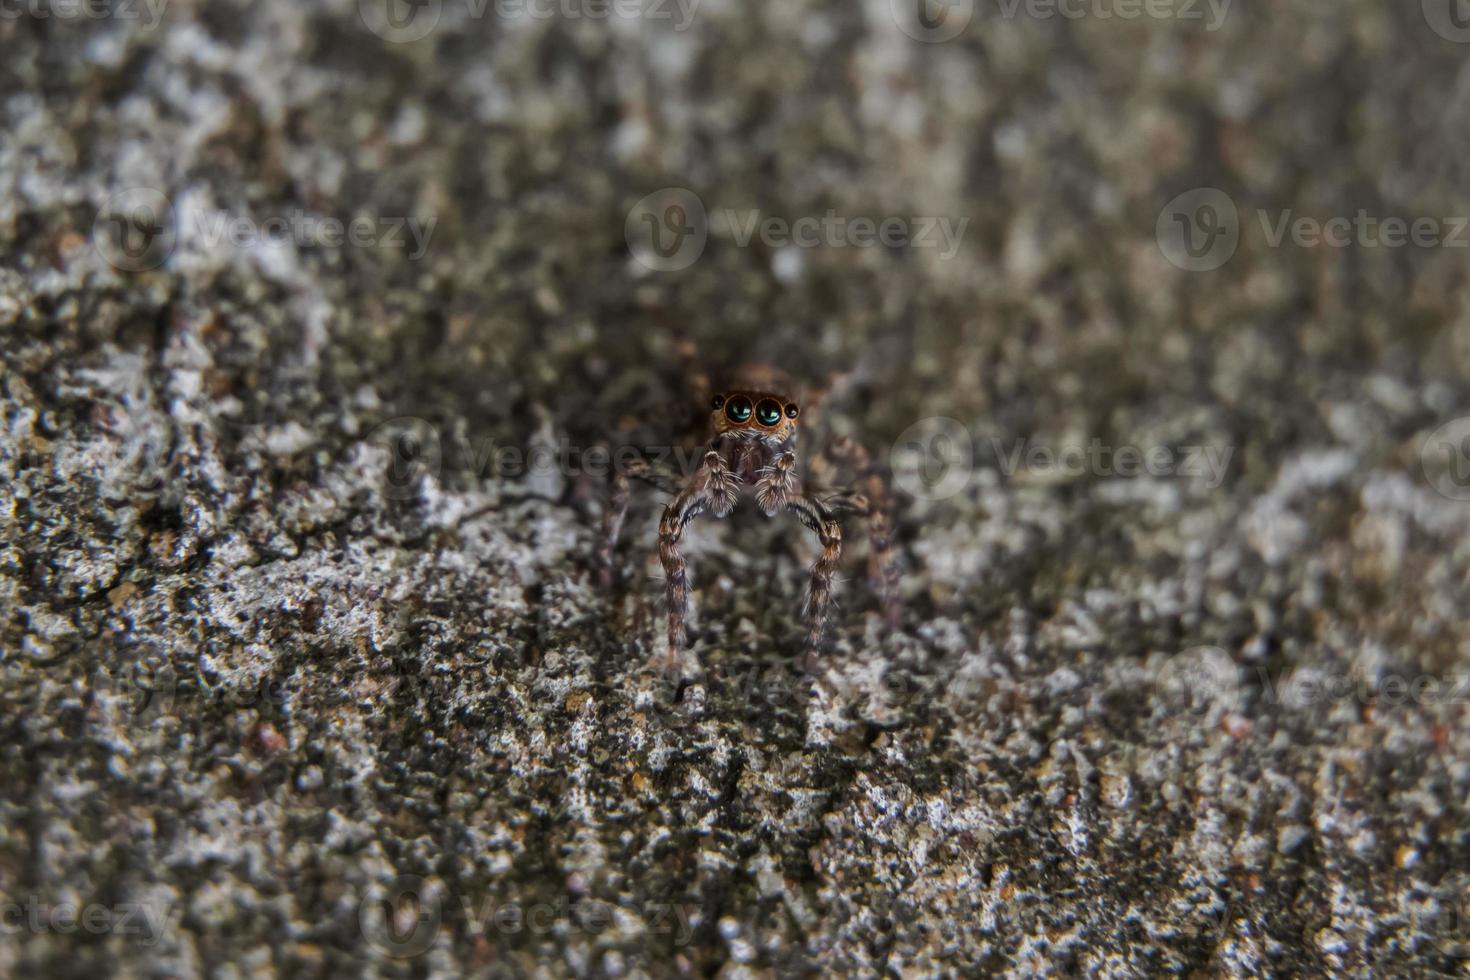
pixel 754 415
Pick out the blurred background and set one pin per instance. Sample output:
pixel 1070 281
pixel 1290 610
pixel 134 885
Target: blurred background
pixel 1154 311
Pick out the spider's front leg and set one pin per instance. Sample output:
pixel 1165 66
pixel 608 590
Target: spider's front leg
pixel 714 488
pixel 617 506
pixel 815 515
pixel 869 499
pixel 777 488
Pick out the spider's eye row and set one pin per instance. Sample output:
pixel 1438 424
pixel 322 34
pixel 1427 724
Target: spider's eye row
pixel 717 401
pixel 768 412
pixel 792 410
pixel 738 409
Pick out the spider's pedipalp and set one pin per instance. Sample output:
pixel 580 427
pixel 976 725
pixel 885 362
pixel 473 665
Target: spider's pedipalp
pixel 724 486
pixel 776 483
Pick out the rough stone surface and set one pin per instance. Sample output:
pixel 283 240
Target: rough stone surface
pixel 262 674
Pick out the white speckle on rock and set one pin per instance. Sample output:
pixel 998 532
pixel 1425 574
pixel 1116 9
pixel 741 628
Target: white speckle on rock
pixel 1289 838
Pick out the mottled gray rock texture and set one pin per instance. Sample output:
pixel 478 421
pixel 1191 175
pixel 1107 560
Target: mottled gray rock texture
pixel 306 665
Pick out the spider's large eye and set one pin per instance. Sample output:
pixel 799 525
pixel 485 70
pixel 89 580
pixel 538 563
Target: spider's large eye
pixel 768 412
pixel 737 409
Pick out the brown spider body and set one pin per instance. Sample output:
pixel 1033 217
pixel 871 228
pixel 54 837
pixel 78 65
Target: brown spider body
pixel 753 453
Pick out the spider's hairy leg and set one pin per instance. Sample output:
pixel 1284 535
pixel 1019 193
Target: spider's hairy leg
pixel 815 515
pixel 612 524
pixel 776 483
pixel 869 499
pixel 712 487
pixel 617 506
pixel 882 569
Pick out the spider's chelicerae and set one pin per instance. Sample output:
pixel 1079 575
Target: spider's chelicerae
pixel 753 453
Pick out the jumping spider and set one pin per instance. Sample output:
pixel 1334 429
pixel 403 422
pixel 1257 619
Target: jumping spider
pixel 753 451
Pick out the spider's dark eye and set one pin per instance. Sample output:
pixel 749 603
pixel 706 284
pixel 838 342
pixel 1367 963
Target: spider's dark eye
pixel 792 411
pixel 737 409
pixel 768 412
pixel 717 401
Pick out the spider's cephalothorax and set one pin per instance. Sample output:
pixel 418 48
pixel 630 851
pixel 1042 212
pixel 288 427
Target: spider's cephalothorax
pixel 753 450
pixel 752 429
